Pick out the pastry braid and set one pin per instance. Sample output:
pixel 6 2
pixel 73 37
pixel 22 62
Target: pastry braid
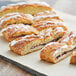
pixel 34 44
pixel 34 26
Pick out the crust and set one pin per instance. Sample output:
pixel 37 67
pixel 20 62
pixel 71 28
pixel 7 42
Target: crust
pixel 68 38
pixel 17 30
pixel 50 35
pixel 47 18
pixel 41 25
pixel 15 18
pixel 73 58
pixel 27 42
pixel 24 8
pixel 50 52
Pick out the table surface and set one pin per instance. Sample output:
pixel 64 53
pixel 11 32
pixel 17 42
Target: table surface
pixel 67 6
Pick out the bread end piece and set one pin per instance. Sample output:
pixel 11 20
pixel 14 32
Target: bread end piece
pixel 73 58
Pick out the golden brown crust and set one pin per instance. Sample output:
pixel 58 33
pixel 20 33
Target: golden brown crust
pixel 36 41
pixel 15 18
pixel 48 51
pixel 18 45
pixel 47 16
pixel 47 19
pixel 68 38
pixel 67 42
pixel 48 24
pixel 52 34
pixel 18 48
pixel 25 8
pixel 52 52
pixel 18 30
pixel 73 58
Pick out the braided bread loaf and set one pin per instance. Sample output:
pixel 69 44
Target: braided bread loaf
pixel 33 44
pixel 45 30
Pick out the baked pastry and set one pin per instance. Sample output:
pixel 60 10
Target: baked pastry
pixel 15 18
pixel 47 19
pixel 41 25
pixel 43 16
pixel 18 30
pixel 59 32
pixel 73 58
pixel 46 29
pixel 26 8
pixel 69 38
pixel 55 52
pixel 25 45
pixel 52 35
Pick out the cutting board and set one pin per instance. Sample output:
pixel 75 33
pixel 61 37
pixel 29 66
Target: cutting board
pixel 32 63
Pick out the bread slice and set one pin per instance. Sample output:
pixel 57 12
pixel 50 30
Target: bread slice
pixel 73 58
pixel 18 30
pixel 15 18
pixel 26 44
pixel 55 52
pixel 26 8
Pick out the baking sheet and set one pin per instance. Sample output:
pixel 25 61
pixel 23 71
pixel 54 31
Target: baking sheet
pixel 32 61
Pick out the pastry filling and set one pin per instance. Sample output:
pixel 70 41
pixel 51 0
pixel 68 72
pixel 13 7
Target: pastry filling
pixel 66 52
pixel 18 36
